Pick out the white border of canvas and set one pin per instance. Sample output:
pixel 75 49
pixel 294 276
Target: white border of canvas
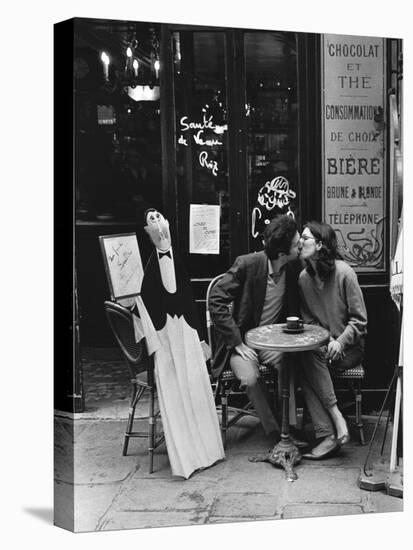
pixel 27 182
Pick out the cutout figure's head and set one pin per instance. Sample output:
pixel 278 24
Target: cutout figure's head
pixel 157 227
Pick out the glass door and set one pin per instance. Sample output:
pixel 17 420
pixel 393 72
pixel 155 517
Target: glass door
pixel 271 127
pixel 201 145
pixel 236 136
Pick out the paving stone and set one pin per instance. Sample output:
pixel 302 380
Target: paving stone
pixel 98 454
pixel 63 451
pixel 91 467
pixel 161 466
pixel 325 485
pixel 250 505
pixel 320 510
pixel 91 504
pixel 63 427
pixel 144 520
pixel 234 519
pixel 241 475
pixel 63 509
pixel 382 502
pixel 164 495
pixel 101 434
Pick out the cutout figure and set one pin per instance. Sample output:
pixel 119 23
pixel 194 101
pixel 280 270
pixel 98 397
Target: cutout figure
pixel 187 406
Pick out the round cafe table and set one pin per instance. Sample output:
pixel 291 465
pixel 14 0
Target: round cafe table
pixel 274 337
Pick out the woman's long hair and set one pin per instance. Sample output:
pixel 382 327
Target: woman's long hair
pixel 328 253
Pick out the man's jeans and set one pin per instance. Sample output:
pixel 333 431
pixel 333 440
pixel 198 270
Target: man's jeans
pixel 247 372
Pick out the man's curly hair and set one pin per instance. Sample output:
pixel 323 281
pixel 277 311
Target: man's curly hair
pixel 278 235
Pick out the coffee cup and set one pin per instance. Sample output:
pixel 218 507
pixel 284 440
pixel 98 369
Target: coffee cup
pixel 294 323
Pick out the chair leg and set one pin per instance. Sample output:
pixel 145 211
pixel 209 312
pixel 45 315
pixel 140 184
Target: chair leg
pixel 129 424
pixel 359 419
pixel 152 426
pixel 274 379
pixel 224 414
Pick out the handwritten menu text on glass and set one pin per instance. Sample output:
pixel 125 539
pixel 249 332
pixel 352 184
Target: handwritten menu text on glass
pixel 206 134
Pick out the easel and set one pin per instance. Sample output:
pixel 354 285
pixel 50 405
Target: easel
pixel 392 482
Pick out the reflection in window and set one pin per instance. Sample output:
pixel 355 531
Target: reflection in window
pixel 118 139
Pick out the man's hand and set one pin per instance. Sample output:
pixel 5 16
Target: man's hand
pixel 246 352
pixel 334 350
pixel 206 350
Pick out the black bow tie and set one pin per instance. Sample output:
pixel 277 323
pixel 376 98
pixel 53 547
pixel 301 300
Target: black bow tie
pixel 162 254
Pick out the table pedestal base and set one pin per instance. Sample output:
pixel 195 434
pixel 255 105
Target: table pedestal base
pixel 285 455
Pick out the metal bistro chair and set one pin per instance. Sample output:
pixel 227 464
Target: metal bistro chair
pixel 227 385
pixel 352 379
pixel 139 364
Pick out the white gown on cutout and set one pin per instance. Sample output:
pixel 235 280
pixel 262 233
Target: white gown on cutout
pixel 189 418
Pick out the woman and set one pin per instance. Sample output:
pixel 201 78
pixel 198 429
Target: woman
pixel 331 297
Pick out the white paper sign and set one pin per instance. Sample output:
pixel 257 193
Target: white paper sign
pixel 204 229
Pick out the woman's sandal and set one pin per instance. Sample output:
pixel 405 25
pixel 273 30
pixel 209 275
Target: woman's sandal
pixel 330 447
pixel 343 439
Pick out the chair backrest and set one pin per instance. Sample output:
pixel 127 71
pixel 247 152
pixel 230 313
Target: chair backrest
pixel 121 322
pixel 209 323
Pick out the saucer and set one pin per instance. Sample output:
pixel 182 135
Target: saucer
pixel 292 330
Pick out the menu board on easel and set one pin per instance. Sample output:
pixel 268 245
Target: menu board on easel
pixel 123 264
pixel 354 170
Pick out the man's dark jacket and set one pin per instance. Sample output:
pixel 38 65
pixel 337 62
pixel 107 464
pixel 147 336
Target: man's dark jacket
pixel 244 285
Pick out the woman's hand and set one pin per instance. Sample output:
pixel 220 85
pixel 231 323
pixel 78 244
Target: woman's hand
pixel 334 350
pixel 246 352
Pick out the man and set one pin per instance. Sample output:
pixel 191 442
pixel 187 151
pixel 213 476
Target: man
pixel 263 289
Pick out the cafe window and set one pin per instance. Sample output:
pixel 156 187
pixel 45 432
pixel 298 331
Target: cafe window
pixel 117 124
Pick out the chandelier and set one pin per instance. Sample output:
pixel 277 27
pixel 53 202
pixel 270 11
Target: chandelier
pixel 137 70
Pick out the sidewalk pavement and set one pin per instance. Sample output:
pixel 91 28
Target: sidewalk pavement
pixel 114 492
